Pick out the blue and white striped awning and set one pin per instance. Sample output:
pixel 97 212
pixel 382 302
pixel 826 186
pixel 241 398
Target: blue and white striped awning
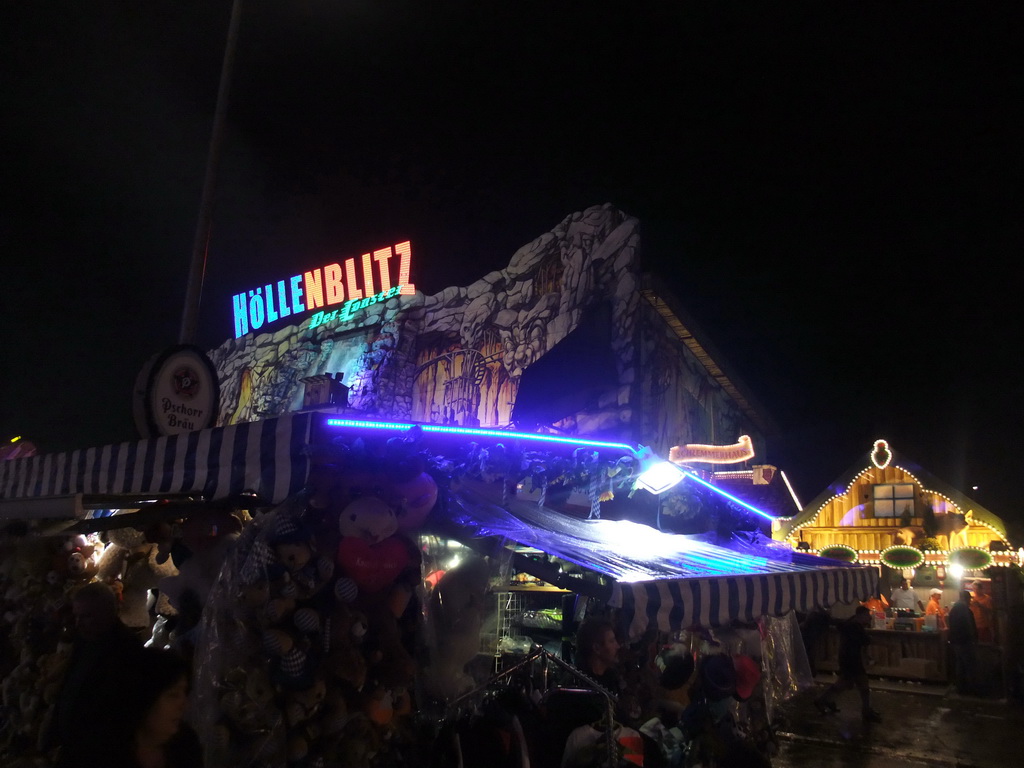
pixel 670 581
pixel 267 458
pixel 676 604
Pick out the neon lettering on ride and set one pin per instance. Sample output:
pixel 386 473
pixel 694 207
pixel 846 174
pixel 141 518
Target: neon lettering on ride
pixel 327 286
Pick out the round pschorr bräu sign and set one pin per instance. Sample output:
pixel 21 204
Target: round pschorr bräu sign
pixel 180 392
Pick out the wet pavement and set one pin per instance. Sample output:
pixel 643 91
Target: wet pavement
pixel 921 726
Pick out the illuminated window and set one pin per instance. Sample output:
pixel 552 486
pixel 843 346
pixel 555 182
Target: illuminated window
pixel 893 499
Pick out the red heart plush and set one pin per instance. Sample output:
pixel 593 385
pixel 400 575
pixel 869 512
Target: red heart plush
pixel 372 566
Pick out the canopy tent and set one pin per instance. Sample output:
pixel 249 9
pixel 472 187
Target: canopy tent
pixel 670 581
pixel 267 459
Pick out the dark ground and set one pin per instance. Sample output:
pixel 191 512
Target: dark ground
pixel 923 725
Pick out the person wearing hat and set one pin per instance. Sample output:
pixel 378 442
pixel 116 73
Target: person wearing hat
pixel 934 608
pixel 853 643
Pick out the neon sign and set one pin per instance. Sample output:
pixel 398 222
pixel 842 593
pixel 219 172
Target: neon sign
pixel 326 287
pixel 741 450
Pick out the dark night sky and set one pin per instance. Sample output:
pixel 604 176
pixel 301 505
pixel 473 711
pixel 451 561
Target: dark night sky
pixel 834 194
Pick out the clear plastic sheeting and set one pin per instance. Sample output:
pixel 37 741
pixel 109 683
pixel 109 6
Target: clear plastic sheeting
pixel 299 662
pixel 786 668
pixel 461 628
pixel 621 549
pixel 668 581
pixel 233 704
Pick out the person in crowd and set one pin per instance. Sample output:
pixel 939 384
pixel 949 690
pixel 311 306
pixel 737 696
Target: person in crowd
pixel 98 672
pixel 876 603
pixel 597 652
pixel 934 608
pixel 904 598
pixel 154 733
pixel 853 644
pixel 963 637
pixel 981 607
pixel 813 627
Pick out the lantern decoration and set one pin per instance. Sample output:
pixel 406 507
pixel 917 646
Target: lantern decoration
pixel 839 552
pixel 901 556
pixel 970 558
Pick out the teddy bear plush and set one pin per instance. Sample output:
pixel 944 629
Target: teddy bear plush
pixel 74 561
pixel 290 665
pixel 295 556
pixel 302 706
pixel 247 703
pixel 131 561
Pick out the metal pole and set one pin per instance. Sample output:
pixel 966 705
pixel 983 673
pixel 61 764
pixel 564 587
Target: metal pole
pixel 197 266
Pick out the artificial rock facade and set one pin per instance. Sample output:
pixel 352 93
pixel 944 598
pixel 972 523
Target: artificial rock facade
pixel 458 356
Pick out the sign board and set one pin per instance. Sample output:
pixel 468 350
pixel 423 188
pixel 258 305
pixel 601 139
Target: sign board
pixel 176 392
pixel 345 287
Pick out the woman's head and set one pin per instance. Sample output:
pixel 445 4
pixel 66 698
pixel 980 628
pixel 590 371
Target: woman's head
pixel 159 694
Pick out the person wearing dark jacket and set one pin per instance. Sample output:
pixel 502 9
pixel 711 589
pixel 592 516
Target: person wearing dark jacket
pixel 853 643
pixel 963 637
pixel 95 680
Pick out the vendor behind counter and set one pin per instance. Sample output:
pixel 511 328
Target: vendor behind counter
pixel 904 598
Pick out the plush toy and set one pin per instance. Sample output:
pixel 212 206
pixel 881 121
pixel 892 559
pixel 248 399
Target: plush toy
pixel 370 518
pixel 52 667
pixel 290 663
pixel 390 664
pixel 346 667
pixel 131 562
pixel 415 499
pixel 248 699
pixel 378 705
pixel 344 662
pixel 335 713
pixel 359 743
pixel 74 562
pixel 369 552
pixel 79 569
pixel 304 705
pixel 254 596
pixel 280 608
pixel 295 556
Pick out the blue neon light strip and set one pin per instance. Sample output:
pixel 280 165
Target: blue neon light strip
pixel 729 496
pixel 474 432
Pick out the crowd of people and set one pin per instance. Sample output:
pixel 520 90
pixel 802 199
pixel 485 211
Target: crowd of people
pixel 124 705
pixel 968 622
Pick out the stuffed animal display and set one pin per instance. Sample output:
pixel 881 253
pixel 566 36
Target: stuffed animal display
pixel 37 576
pixel 131 561
pixel 317 598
